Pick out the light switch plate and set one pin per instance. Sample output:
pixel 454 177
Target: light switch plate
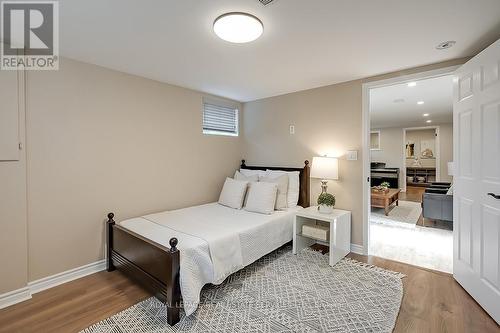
pixel 292 129
pixel 352 155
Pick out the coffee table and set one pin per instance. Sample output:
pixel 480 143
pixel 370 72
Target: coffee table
pixel 385 199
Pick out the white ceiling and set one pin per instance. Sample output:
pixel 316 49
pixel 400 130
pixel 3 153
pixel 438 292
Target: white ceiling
pixel 305 44
pixel 396 105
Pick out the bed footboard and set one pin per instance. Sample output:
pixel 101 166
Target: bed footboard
pixel 154 266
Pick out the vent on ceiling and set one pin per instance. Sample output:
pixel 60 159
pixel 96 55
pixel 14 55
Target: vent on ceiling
pixel 265 2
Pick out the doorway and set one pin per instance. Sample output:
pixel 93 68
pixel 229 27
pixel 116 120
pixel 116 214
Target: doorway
pixel 402 122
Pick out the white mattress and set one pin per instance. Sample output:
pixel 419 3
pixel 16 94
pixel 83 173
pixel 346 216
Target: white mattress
pixel 258 234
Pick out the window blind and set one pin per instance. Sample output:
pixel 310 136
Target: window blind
pixel 219 119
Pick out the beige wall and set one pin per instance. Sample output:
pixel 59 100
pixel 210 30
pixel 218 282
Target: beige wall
pixel 446 150
pixel 100 141
pixel 327 120
pixel 13 222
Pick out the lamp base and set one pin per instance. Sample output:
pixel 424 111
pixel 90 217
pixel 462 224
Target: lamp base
pixel 324 185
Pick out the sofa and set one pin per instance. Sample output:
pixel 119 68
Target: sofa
pixel 437 202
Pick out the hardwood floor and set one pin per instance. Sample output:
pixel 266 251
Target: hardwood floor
pixel 413 193
pixel 432 302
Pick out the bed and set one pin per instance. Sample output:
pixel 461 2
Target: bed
pixel 174 255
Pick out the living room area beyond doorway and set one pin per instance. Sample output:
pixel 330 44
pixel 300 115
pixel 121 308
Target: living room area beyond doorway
pixel 411 145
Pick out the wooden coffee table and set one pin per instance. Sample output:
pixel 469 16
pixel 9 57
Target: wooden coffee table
pixel 385 200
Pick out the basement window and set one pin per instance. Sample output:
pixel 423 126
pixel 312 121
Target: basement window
pixel 220 118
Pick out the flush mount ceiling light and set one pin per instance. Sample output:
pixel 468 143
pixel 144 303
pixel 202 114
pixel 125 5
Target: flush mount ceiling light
pixel 238 27
pixel 420 102
pixel 425 115
pixel 429 121
pixel 446 45
pixel 412 84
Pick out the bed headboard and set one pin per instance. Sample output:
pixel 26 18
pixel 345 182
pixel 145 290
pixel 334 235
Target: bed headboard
pixel 304 195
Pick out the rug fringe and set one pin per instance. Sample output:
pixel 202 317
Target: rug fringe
pixel 375 268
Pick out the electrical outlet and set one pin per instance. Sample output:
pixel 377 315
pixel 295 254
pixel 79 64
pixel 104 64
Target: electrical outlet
pixel 292 129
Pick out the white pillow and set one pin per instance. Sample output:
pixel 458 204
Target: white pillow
pixel 261 197
pixel 293 185
pixel 248 172
pixel 281 197
pixel 239 176
pixel 233 193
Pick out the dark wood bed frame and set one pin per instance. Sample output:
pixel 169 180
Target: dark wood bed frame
pixel 155 266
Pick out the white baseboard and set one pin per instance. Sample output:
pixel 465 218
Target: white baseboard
pixel 60 278
pixel 14 297
pixel 48 282
pixel 358 249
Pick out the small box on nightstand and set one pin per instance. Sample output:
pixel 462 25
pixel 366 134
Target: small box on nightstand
pixel 316 231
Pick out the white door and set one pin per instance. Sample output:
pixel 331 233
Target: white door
pixel 476 130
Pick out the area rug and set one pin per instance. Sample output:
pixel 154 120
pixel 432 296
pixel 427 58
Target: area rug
pixel 281 292
pixel 406 214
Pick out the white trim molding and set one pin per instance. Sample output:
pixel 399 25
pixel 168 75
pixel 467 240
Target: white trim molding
pixel 14 297
pixel 60 278
pixel 48 282
pixel 358 249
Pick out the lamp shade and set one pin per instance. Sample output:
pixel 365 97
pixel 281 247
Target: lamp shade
pixel 325 168
pixel 450 168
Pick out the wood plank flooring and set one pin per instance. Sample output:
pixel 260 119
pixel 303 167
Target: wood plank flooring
pixel 432 302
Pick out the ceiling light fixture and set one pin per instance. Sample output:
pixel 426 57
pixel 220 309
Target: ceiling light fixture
pixel 425 115
pixel 412 84
pixel 428 121
pixel 238 27
pixel 445 45
pixel 420 102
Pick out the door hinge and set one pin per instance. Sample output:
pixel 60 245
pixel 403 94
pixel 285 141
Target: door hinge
pixel 20 146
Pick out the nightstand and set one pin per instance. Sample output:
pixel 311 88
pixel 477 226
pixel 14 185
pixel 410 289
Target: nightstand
pixel 340 231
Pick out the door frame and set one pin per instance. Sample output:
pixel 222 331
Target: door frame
pixel 437 150
pixel 366 87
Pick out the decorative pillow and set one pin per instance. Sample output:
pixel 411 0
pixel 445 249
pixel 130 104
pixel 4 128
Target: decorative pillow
pixel 293 185
pixel 261 197
pixel 248 172
pixel 239 176
pixel 281 197
pixel 233 193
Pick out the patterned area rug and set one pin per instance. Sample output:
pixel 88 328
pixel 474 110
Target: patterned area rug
pixel 404 215
pixel 281 292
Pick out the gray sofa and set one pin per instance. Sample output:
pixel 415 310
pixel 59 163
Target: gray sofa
pixel 436 204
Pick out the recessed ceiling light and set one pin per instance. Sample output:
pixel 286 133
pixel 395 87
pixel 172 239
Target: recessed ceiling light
pixel 238 27
pixel 428 121
pixel 412 84
pixel 420 102
pixel 446 45
pixel 425 115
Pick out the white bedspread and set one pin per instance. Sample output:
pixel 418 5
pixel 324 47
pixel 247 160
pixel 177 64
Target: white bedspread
pixel 214 241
